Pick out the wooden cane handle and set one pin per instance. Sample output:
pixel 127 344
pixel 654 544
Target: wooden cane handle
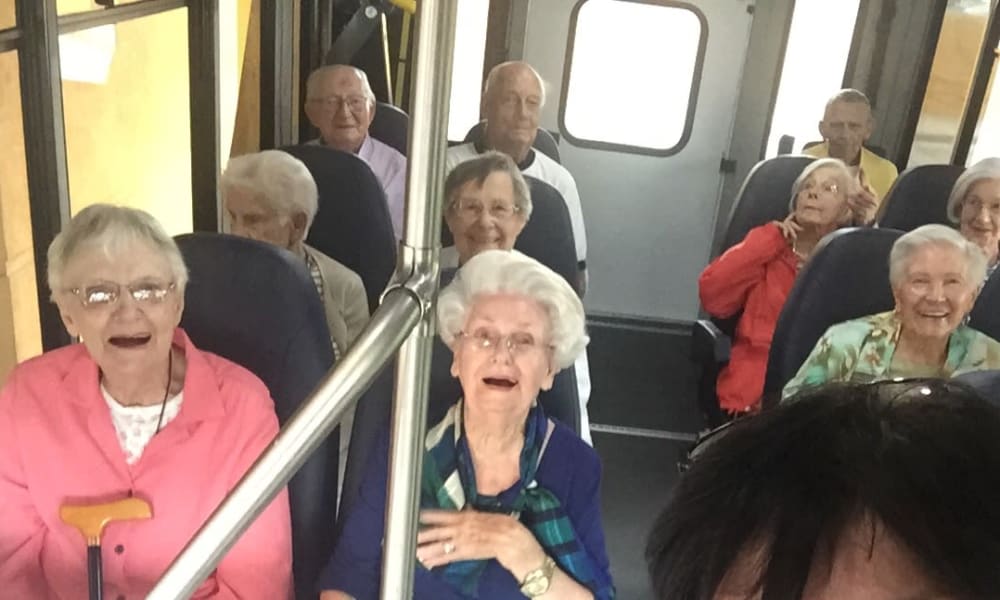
pixel 90 519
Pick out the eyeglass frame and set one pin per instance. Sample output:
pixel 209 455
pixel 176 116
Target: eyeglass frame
pixel 458 206
pixel 158 295
pixel 334 102
pixel 492 342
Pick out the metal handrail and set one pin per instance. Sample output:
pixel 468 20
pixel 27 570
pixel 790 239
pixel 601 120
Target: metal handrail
pixel 308 427
pixel 406 310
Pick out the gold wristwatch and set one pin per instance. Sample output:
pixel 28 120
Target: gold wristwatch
pixel 537 582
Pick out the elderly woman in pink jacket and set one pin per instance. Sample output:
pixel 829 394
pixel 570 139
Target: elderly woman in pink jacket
pixel 134 410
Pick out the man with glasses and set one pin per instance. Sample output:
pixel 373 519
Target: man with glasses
pixel 341 104
pixel 847 124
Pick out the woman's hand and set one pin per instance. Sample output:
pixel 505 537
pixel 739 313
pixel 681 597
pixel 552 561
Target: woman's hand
pixel 789 228
pixel 451 536
pixel 863 201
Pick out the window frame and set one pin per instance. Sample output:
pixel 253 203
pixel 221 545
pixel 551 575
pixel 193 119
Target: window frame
pixel 692 95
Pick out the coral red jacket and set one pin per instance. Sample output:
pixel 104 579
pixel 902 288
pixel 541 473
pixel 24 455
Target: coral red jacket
pixel 755 277
pixel 58 445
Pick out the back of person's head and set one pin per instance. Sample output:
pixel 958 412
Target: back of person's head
pixel 768 506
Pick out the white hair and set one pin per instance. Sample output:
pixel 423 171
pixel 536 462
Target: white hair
pixel 988 168
pixel 510 272
pixel 939 235
pixel 318 74
pixel 111 228
pixel 494 75
pixel 279 179
pixel 843 175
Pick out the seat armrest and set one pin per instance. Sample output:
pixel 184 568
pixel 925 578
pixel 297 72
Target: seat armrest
pixel 708 343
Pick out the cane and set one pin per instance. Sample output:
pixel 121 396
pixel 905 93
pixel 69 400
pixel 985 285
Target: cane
pixel 90 521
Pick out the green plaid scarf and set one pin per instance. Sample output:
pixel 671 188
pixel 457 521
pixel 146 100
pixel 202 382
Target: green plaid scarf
pixel 449 482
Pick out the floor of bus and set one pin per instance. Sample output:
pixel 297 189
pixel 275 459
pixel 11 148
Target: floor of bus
pixel 643 386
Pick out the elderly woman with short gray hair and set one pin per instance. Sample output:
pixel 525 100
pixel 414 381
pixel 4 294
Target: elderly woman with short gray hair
pixel 133 410
pixel 510 502
pixel 753 278
pixel 270 196
pixel 974 205
pixel 936 275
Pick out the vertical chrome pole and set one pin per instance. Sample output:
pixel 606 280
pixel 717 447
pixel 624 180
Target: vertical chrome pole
pixel 430 96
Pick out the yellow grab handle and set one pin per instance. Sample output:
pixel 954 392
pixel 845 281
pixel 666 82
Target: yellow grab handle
pixel 409 6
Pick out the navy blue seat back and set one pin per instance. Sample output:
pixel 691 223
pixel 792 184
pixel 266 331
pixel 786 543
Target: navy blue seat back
pixel 919 196
pixel 986 383
pixel 548 235
pixel 847 278
pixel 391 126
pixel 985 315
pixel 352 225
pixel 561 403
pixel 544 142
pixel 256 305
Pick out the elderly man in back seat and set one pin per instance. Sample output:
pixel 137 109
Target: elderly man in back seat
pixel 341 104
pixel 512 104
pixel 847 124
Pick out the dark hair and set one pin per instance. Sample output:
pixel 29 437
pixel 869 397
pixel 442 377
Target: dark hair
pixel 920 459
pixel 478 169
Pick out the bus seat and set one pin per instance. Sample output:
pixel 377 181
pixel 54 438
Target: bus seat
pixel 548 235
pixel 353 224
pixel 763 197
pixel 919 196
pixel 847 278
pixel 545 142
pixel 256 305
pixel 391 126
pixel 561 403
pixel 987 383
pixel 985 315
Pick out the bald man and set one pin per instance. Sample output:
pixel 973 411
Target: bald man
pixel 512 104
pixel 847 124
pixel 341 104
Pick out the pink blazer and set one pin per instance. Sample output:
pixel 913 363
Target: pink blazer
pixel 58 445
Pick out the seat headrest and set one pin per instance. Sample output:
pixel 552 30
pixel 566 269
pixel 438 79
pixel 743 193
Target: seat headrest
pixel 847 278
pixel 544 142
pixel 919 196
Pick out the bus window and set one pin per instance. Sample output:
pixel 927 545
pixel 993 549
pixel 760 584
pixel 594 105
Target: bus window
pixel 620 92
pixel 467 69
pixel 986 142
pixel 948 85
pixel 815 58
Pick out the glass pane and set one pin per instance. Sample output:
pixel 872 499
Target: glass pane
pixel 629 39
pixel 125 98
pixel 6 14
pixel 65 7
pixel 467 70
pixel 986 141
pixel 948 86
pixel 810 78
pixel 20 337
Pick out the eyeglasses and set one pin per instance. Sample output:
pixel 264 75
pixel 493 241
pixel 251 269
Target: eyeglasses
pixel 976 205
pixel 106 294
pixel 333 103
pixel 473 211
pixel 517 343
pixel 827 186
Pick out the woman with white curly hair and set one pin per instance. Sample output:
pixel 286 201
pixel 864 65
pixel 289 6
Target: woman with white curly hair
pixel 510 503
pixel 974 205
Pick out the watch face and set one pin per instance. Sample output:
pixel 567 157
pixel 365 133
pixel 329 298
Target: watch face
pixel 535 587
